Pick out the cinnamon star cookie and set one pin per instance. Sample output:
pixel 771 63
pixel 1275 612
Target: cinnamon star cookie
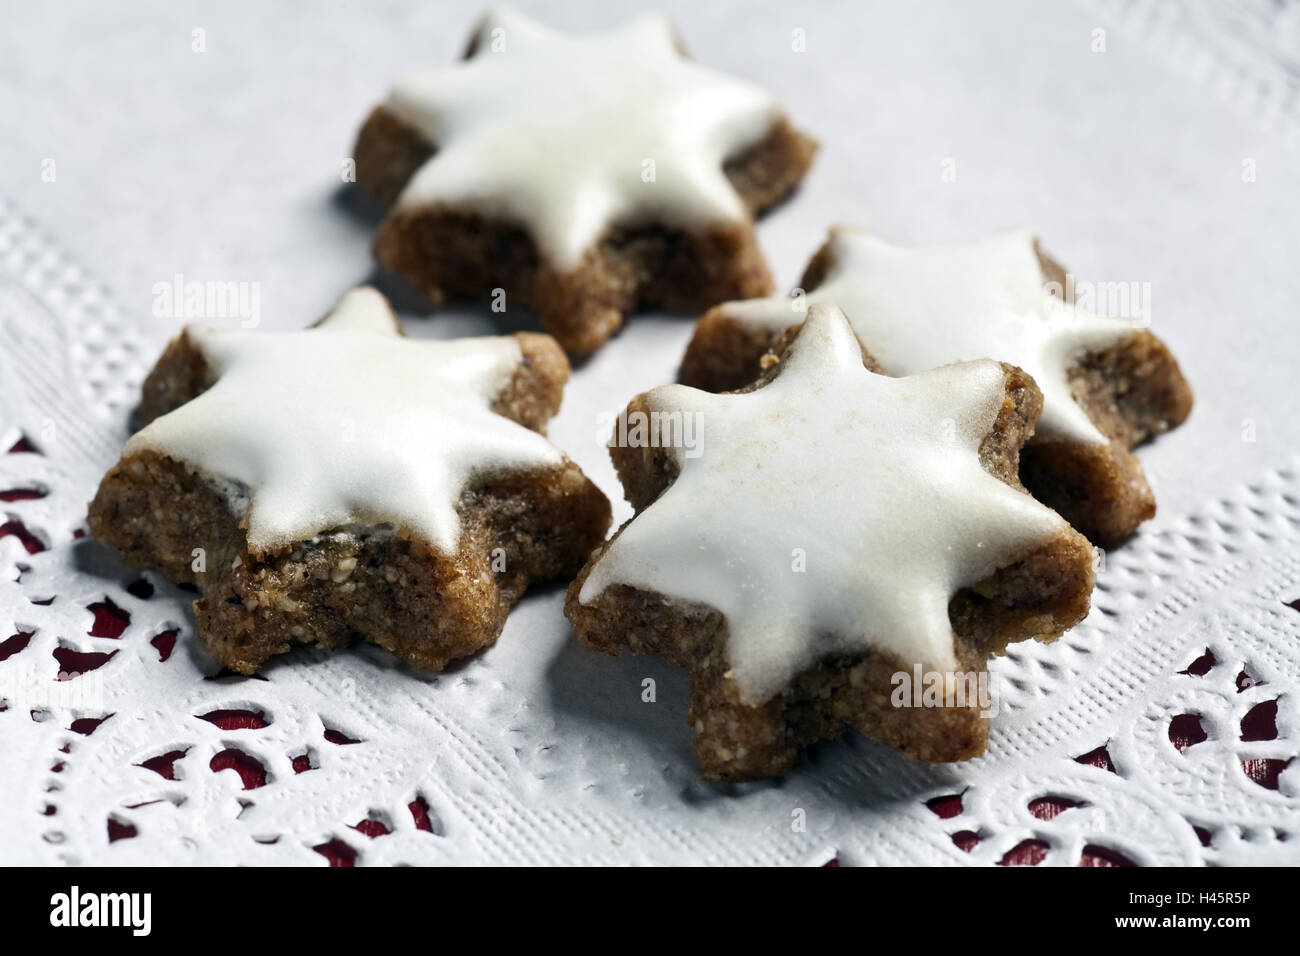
pixel 1107 383
pixel 826 536
pixel 584 176
pixel 345 481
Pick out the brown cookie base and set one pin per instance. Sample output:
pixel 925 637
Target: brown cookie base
pixel 379 583
pixel 1039 595
pixel 1131 391
pixel 451 253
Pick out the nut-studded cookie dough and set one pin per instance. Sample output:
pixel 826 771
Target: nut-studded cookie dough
pixel 345 481
pixel 584 175
pixel 799 545
pixel 1107 384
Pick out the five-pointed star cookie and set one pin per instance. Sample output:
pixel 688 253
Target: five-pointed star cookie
pixel 1107 383
pixel 799 544
pixel 346 480
pixel 583 175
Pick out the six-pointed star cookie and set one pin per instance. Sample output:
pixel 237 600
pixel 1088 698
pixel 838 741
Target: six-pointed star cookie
pixel 347 481
pixel 1107 384
pixel 584 175
pixel 799 544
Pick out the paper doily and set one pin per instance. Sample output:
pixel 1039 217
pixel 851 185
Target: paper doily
pixel 1163 730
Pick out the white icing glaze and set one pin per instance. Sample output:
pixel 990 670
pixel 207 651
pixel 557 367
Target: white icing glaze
pixel 919 308
pixel 876 479
pixel 552 131
pixel 348 423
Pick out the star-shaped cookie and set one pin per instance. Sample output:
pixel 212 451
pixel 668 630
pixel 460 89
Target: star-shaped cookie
pixel 347 481
pixel 1107 383
pixel 800 544
pixel 583 175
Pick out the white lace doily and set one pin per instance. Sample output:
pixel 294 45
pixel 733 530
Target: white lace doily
pixel 1163 730
pixel 537 754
